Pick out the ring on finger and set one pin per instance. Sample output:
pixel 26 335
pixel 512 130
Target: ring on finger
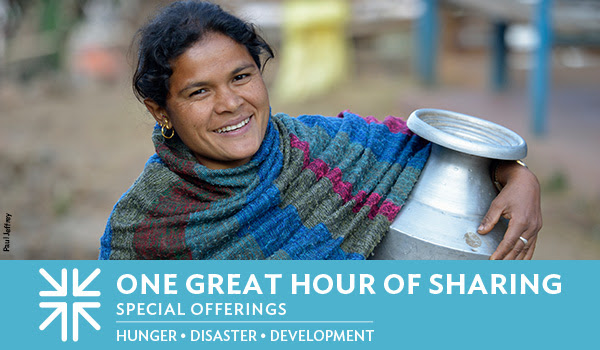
pixel 524 240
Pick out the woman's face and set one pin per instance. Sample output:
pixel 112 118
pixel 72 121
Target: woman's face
pixel 217 102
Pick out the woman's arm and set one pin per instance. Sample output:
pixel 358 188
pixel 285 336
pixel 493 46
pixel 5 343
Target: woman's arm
pixel 519 202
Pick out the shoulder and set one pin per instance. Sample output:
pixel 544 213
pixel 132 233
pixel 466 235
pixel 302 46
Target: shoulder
pixel 346 121
pixel 309 121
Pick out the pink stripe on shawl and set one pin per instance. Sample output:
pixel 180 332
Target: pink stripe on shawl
pixel 320 168
pixel 387 209
pixel 397 125
pixel 301 145
pixel 344 188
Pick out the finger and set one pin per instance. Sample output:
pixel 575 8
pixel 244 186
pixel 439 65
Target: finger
pixel 510 241
pixel 491 218
pixel 523 254
pixel 514 253
pixel 527 251
pixel 531 249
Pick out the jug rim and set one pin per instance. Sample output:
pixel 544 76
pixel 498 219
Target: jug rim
pixel 467 134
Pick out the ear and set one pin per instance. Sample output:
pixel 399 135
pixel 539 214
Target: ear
pixel 158 112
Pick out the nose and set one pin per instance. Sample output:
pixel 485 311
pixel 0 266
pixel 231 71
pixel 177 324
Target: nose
pixel 228 100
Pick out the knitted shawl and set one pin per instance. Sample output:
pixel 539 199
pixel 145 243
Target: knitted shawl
pixel 317 188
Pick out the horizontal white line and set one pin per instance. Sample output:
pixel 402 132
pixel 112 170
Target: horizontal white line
pixel 244 321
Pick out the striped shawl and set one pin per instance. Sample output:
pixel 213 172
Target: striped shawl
pixel 318 188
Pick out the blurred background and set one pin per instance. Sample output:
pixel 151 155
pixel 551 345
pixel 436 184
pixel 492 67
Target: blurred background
pixel 73 137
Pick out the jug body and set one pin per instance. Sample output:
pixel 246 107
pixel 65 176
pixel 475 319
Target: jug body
pixel 442 213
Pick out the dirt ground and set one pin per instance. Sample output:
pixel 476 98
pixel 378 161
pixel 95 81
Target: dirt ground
pixel 68 152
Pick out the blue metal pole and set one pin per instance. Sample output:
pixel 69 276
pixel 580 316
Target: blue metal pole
pixel 540 72
pixel 426 42
pixel 499 53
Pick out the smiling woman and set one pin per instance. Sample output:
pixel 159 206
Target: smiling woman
pixel 217 102
pixel 229 180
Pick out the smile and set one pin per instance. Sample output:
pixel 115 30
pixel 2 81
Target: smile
pixel 234 127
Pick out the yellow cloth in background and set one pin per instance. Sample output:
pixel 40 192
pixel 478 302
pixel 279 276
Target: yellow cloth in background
pixel 315 53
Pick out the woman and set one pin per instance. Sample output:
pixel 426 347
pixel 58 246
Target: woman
pixel 229 180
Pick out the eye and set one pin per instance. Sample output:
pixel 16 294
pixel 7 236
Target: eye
pixel 240 77
pixel 197 92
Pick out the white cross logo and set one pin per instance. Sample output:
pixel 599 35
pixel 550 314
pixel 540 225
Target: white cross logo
pixel 61 307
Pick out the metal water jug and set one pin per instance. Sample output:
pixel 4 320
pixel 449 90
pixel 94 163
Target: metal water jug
pixel 440 217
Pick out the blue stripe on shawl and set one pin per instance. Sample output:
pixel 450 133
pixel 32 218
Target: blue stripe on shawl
pixel 105 240
pixel 284 230
pixel 154 159
pixel 273 162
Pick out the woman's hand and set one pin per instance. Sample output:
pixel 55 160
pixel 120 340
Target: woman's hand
pixel 519 202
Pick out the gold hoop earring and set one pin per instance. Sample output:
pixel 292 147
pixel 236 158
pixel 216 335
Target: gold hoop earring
pixel 162 131
pixel 164 126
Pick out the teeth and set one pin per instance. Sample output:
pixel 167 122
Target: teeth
pixel 233 127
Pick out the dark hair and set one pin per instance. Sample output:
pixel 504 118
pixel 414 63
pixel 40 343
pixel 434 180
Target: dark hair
pixel 175 29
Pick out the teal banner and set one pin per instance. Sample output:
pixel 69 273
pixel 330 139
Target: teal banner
pixel 299 305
